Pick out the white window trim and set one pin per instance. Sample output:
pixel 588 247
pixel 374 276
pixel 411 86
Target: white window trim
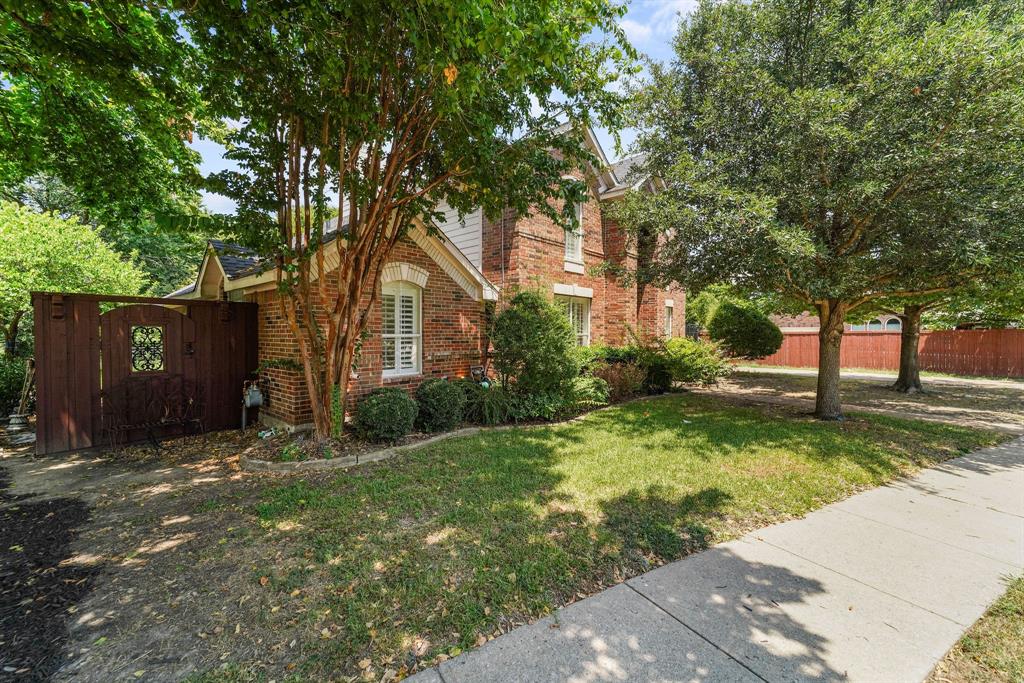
pixel 396 288
pixel 669 315
pixel 582 337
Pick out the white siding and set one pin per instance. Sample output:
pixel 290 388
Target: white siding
pixel 466 234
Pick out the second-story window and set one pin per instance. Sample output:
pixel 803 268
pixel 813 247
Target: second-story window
pixel 574 239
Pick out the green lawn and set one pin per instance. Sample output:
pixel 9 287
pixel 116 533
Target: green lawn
pixel 993 649
pixel 429 554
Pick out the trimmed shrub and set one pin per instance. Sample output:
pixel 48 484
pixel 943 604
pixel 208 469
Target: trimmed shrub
pixel 441 404
pixel 695 362
pixel 386 414
pixel 744 332
pixel 624 380
pixel 12 376
pixel 534 345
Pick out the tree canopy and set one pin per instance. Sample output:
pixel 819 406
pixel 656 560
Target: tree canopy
pixel 43 252
pixel 103 97
pixel 387 109
pixel 826 151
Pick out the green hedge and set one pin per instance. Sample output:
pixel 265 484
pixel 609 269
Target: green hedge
pixel 12 376
pixel 534 346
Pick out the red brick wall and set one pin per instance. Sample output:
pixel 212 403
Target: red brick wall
pixel 451 341
pixel 529 251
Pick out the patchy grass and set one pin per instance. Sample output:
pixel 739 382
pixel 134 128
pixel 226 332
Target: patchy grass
pixel 925 374
pixel 969 404
pixel 397 564
pixel 993 649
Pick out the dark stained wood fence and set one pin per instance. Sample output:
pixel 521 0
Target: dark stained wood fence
pixel 985 353
pixel 80 350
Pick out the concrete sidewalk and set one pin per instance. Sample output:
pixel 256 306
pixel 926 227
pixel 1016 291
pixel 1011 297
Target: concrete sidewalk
pixel 875 588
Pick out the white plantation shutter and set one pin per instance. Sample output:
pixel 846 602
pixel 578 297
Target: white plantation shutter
pixel 574 239
pixel 578 310
pixel 400 328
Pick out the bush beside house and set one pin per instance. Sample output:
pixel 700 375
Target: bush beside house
pixel 541 376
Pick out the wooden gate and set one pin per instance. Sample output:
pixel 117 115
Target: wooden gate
pixel 82 356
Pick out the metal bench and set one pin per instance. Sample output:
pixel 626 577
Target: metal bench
pixel 151 403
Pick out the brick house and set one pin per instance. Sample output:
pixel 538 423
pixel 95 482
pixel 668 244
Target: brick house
pixel 808 322
pixel 429 320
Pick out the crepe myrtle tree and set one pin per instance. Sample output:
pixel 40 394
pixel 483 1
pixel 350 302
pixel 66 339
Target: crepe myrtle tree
pixel 820 149
pixel 385 109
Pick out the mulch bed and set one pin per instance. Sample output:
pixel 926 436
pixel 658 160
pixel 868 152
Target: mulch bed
pixel 37 593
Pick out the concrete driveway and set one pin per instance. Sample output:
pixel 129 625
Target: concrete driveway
pixel 875 588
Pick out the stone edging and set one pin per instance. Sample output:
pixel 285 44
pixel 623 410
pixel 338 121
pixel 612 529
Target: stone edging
pixel 252 464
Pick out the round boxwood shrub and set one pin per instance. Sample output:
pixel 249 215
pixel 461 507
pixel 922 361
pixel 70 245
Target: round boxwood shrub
pixel 441 405
pixel 386 414
pixel 534 345
pixel 744 332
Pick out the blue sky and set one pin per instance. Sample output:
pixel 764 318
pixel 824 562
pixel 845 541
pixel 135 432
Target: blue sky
pixel 649 24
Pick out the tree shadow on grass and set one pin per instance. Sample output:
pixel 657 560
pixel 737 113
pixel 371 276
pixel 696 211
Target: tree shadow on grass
pixel 654 522
pixel 710 429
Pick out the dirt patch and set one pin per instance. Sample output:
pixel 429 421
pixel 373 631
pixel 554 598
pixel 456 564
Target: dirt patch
pixel 39 591
pixel 136 565
pixel 988 407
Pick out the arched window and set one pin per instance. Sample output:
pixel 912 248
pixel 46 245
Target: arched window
pixel 893 325
pixel 875 325
pixel 401 328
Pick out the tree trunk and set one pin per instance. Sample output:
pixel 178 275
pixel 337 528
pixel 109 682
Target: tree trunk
pixel 11 334
pixel 832 315
pixel 909 379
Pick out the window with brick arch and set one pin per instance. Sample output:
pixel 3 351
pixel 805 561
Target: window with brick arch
pixel 401 328
pixel 578 310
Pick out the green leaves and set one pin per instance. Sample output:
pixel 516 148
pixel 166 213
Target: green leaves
pixel 102 98
pixel 41 252
pixel 844 152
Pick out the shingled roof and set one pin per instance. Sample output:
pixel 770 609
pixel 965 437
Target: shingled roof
pixel 234 258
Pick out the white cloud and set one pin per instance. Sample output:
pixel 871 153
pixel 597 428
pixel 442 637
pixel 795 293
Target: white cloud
pixel 635 31
pixel 665 18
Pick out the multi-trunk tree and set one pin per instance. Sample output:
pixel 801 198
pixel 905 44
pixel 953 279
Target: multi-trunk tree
pixel 820 150
pixel 384 110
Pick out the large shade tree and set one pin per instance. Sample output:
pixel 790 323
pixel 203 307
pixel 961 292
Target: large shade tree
pixel 385 109
pixel 820 150
pixel 103 97
pixel 44 252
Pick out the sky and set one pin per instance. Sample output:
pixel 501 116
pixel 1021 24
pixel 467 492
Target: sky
pixel 649 25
